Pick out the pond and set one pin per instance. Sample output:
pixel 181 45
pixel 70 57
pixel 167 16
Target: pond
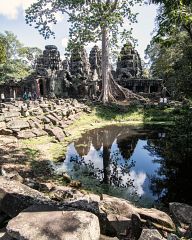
pixel 130 162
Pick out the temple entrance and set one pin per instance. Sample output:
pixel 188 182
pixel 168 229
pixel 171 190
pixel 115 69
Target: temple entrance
pixel 154 89
pixel 140 89
pixel 41 87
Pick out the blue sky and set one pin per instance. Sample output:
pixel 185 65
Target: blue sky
pixel 12 19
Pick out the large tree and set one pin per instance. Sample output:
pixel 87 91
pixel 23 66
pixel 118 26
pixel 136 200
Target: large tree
pixel 16 60
pixel 91 20
pixel 171 47
pixel 173 16
pixel 171 60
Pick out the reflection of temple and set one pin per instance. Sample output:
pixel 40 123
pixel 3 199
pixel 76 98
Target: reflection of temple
pixel 114 158
pixel 80 75
pixel 126 138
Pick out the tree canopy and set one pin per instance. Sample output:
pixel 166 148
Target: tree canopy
pixel 87 18
pixel 170 49
pixel 173 16
pixel 16 60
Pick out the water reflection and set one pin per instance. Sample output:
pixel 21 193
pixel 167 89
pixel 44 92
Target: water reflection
pixel 116 160
pixel 143 165
pixel 175 162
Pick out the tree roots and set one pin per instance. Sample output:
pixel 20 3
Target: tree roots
pixel 117 93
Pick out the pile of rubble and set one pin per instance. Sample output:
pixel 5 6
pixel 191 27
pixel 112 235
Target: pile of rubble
pixel 31 119
pixel 33 215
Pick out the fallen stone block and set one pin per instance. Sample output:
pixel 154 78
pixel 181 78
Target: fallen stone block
pixel 38 132
pixel 46 224
pixel 2 118
pixel 2 125
pixel 4 140
pixel 6 131
pixel 12 114
pixel 15 197
pixel 151 234
pixel 25 134
pixel 54 120
pixel 160 219
pixel 56 132
pixel 181 212
pixel 108 208
pixel 18 124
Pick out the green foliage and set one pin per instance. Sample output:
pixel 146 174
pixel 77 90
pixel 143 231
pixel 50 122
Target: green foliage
pixel 3 55
pixel 87 18
pixel 173 16
pixel 171 60
pixel 170 49
pixel 175 153
pixel 16 60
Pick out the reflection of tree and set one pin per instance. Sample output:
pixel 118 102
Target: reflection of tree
pixel 173 180
pixel 117 164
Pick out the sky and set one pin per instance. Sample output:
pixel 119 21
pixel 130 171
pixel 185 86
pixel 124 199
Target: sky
pixel 12 18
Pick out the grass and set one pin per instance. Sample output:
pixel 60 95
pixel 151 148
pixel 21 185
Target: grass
pixel 100 116
pixel 44 148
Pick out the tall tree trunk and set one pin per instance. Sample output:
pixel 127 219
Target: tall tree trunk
pixel 105 65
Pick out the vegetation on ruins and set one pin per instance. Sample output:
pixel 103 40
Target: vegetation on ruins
pixel 16 60
pixel 91 21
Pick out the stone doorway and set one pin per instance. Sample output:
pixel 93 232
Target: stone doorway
pixel 41 87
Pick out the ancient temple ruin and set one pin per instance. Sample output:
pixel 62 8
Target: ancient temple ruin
pixel 129 72
pixel 75 76
pixel 129 63
pixel 80 75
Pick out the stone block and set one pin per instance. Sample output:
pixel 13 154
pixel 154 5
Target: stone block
pixel 56 132
pixel 18 124
pixel 45 224
pixel 4 140
pixel 12 114
pixel 25 134
pixel 15 197
pixel 151 234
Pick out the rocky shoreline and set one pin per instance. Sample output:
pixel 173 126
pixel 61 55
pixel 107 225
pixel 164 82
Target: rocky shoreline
pixel 31 214
pixel 32 207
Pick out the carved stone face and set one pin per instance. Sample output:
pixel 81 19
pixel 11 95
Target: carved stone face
pixel 129 63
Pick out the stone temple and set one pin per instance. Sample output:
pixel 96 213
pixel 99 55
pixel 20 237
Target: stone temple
pixel 80 75
pixel 129 73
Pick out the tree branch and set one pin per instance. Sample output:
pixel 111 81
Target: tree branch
pixel 114 6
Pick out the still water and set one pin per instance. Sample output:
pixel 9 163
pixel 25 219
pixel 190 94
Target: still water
pixel 129 162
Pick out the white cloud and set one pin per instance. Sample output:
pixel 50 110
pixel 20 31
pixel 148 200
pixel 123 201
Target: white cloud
pixel 138 181
pixel 10 8
pixel 64 42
